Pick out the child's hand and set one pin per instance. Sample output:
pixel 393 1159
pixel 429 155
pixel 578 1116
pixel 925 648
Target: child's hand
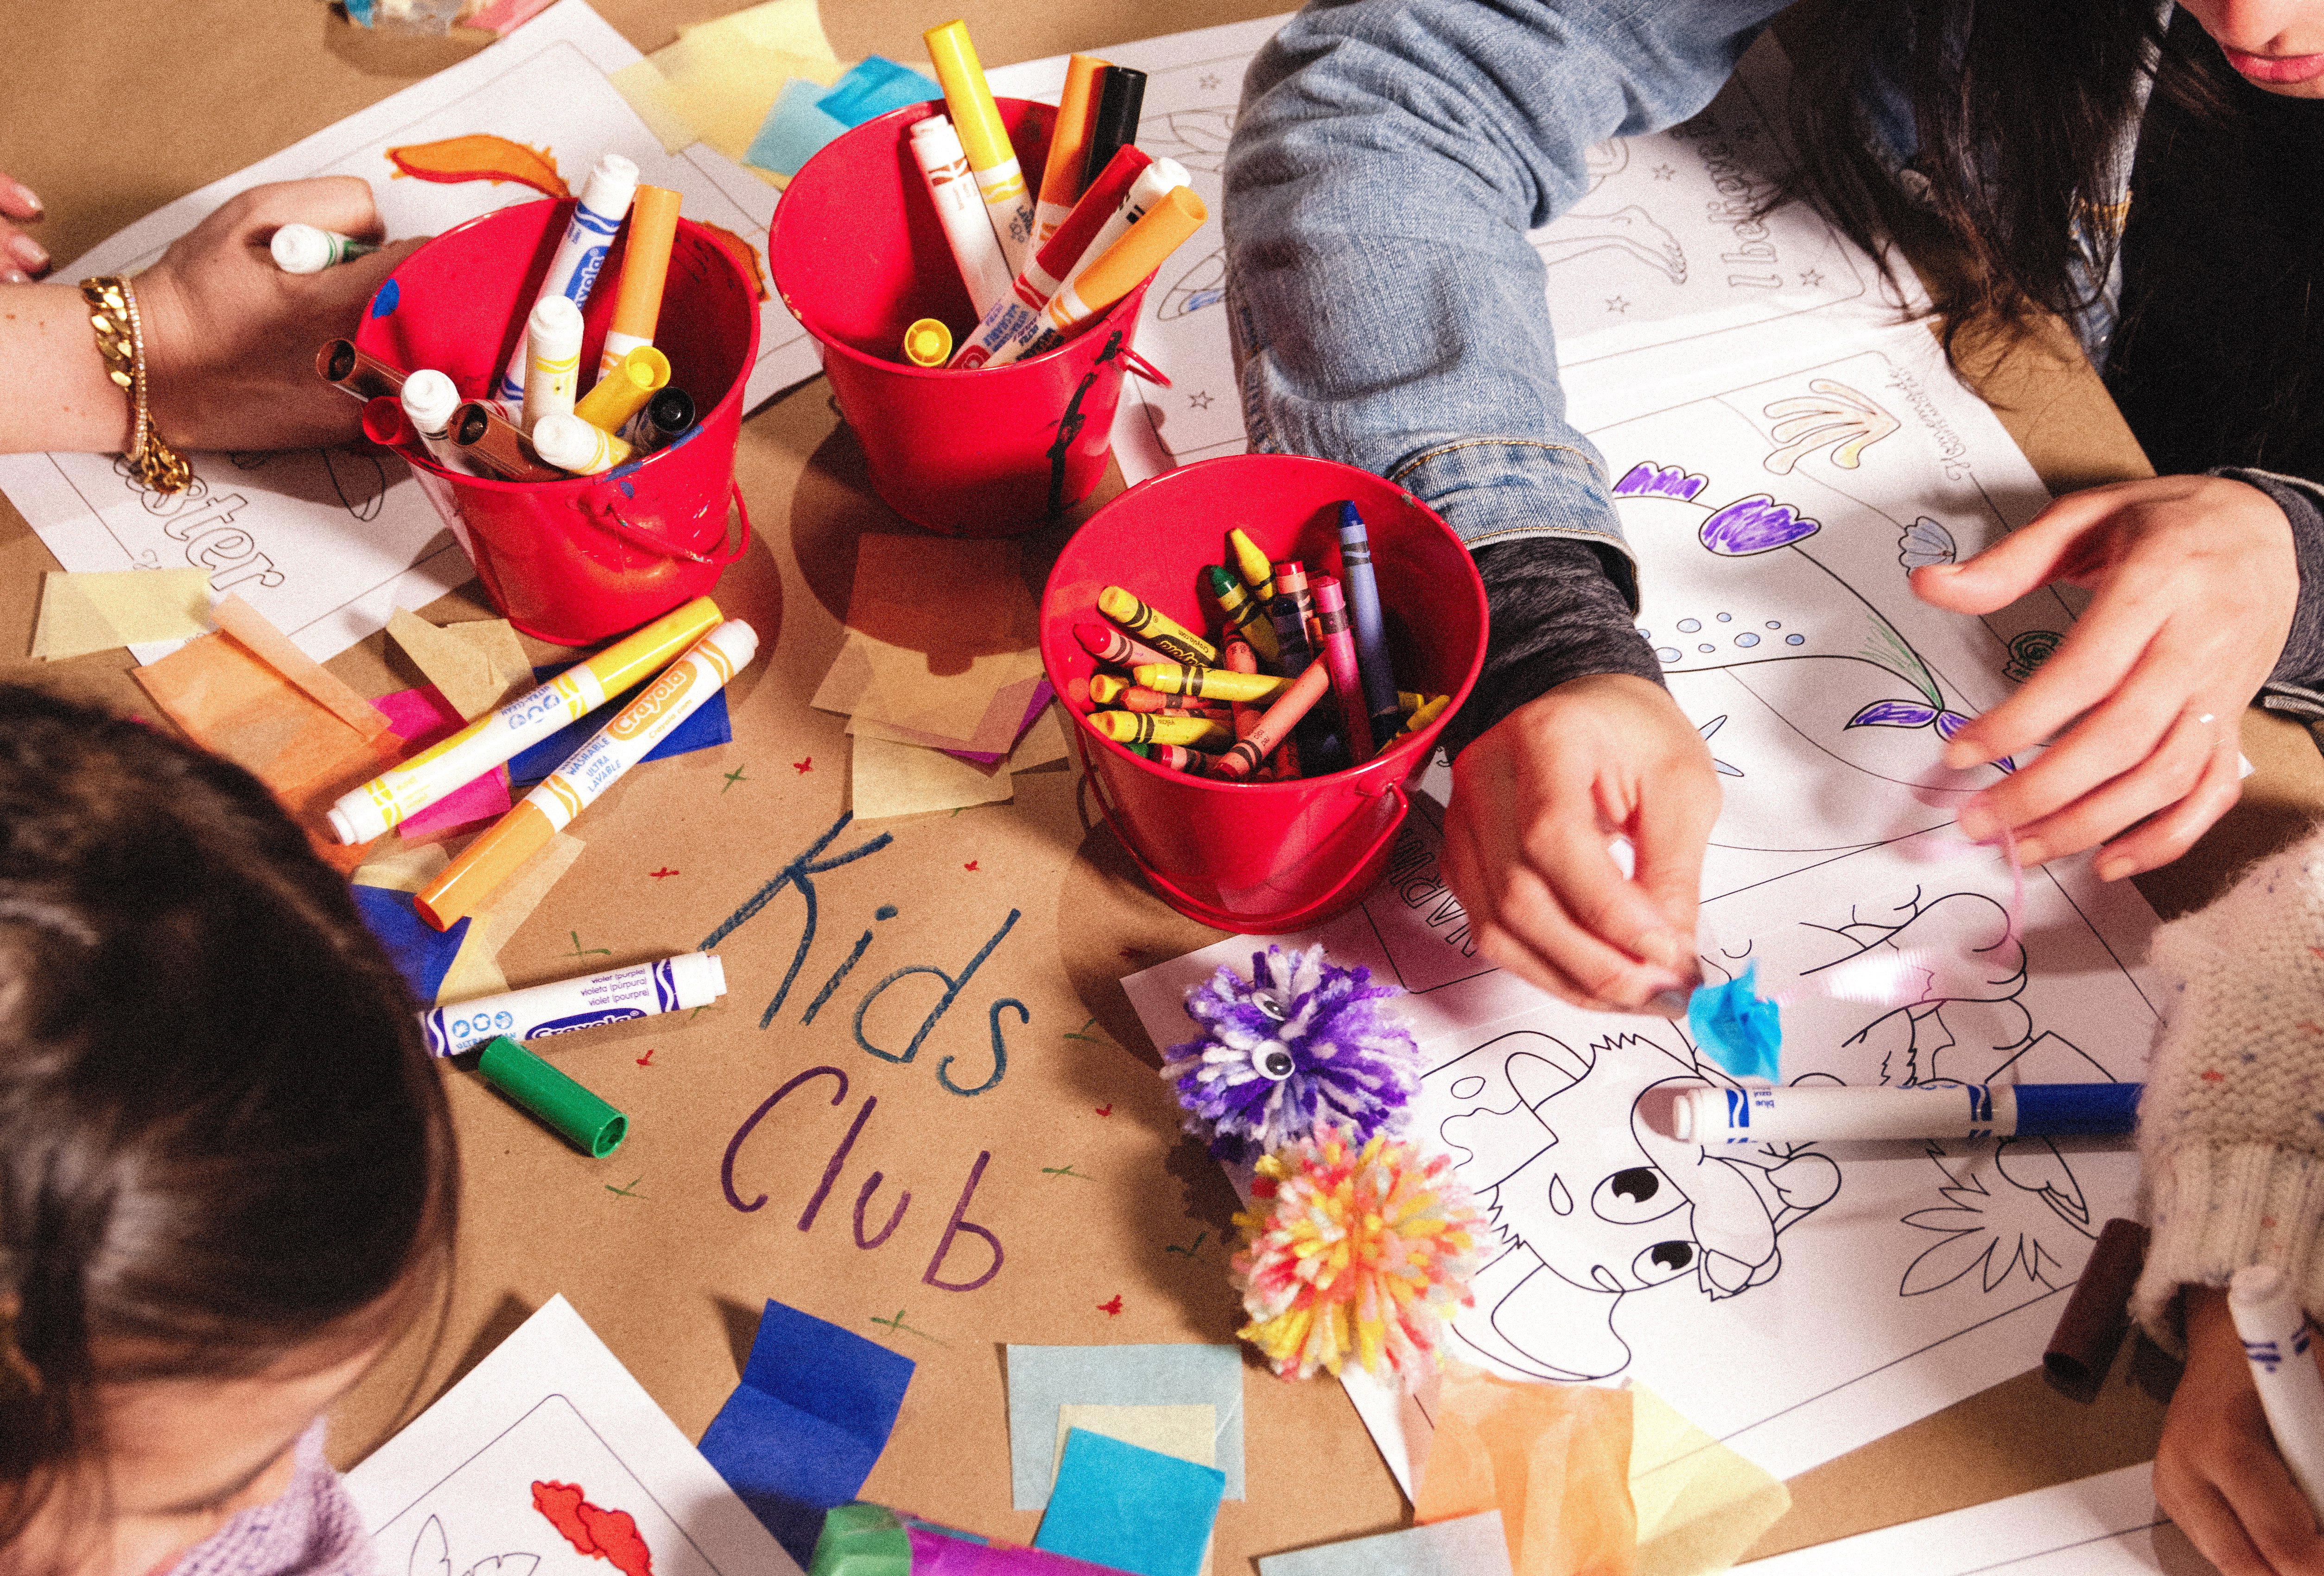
pixel 22 258
pixel 2217 1472
pixel 2195 581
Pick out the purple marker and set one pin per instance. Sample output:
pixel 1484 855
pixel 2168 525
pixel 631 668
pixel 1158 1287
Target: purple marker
pixel 694 979
pixel 1820 1112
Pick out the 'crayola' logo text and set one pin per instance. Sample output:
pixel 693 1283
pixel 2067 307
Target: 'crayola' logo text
pixel 663 695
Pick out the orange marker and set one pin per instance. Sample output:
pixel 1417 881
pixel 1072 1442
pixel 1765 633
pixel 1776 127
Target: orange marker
pixel 1061 177
pixel 645 266
pixel 1166 227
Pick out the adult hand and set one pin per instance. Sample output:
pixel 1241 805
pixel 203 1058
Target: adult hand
pixel 2195 581
pixel 230 338
pixel 2217 1472
pixel 21 257
pixel 1536 799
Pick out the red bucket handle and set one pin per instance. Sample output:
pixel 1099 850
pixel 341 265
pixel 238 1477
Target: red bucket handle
pixel 606 517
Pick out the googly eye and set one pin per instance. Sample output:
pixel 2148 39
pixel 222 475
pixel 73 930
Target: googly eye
pixel 1663 1261
pixel 1269 1002
pixel 1276 1062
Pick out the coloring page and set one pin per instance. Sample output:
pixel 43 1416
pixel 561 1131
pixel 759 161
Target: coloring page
pixel 327 543
pixel 548 1459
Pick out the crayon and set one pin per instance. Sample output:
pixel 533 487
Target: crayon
pixel 577 1116
pixel 1178 758
pixel 1061 177
pixel 1278 719
pixel 1141 250
pixel 645 269
pixel 552 360
pixel 1426 714
pixel 428 401
pixel 1108 644
pixel 1244 611
pixel 1363 588
pixel 355 371
pixel 309 249
pixel 1220 682
pixel 1106 690
pixel 690 980
pixel 669 413
pixel 1294 611
pixel 928 342
pixel 1151 728
pixel 402 791
pixel 1242 658
pixel 492 443
pixel 571 444
pixel 998 181
pixel 1014 321
pixel 1252 565
pixel 580 254
pixel 2274 1333
pixel 976 251
pixel 1176 642
pixel 1812 1113
pixel 1120 95
pixel 468 883
pixel 2082 1347
pixel 1339 653
pixel 621 392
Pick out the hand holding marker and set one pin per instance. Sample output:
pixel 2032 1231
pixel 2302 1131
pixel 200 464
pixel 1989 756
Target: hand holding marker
pixel 2274 1333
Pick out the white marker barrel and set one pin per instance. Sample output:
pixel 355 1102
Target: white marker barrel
pixel 310 249
pixel 2274 1333
pixel 960 210
pixel 570 444
pixel 681 690
pixel 1808 1113
pixel 573 272
pixel 690 980
pixel 429 398
pixel 552 360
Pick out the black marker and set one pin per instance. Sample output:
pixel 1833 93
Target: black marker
pixel 1120 95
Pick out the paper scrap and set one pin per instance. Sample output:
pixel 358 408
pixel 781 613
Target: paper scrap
pixel 1043 1380
pixel 871 87
pixel 476 971
pixel 723 84
pixel 247 624
pixel 1554 1459
pixel 99 611
pixel 887 779
pixel 505 914
pixel 1472 1545
pixel 403 869
pixel 1187 1433
pixel 710 724
pixel 644 89
pixel 802 1430
pixel 1136 1510
pixel 1700 1505
pixel 1013 708
pixel 421 952
pixel 938 665
pixel 793 27
pixel 794 131
pixel 475 671
pixel 421 718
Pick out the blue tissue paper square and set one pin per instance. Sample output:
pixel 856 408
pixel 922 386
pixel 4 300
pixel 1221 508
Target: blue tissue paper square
pixel 794 131
pixel 422 954
pixel 874 87
pixel 1738 1027
pixel 710 724
pixel 1132 1508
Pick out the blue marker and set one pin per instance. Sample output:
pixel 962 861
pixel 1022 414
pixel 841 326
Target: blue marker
pixel 1819 1112
pixel 1371 636
pixel 581 254
pixel 690 980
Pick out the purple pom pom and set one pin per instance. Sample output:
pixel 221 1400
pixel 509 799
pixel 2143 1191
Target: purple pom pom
pixel 1300 1041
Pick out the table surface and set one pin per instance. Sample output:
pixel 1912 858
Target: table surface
pixel 133 105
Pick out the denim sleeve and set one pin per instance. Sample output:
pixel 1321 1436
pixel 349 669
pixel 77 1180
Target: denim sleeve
pixel 1387 159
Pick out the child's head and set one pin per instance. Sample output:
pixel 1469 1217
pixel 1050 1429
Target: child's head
pixel 227 1169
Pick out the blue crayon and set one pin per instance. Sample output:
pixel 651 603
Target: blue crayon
pixel 1371 636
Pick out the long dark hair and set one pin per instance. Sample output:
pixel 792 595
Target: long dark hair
pixel 221 1138
pixel 2021 110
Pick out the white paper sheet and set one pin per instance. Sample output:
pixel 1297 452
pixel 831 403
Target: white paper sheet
pixel 2106 1526
pixel 454 1492
pixel 327 543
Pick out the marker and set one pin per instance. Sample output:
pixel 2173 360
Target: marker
pixel 690 980
pixel 620 393
pixel 428 401
pixel 469 882
pixel 1339 647
pixel 1140 250
pixel 571 444
pixel 928 342
pixel 1245 614
pixel 998 181
pixel 1152 728
pixel 1154 181
pixel 1108 644
pixel 552 359
pixel 2082 1347
pixel 1122 94
pixel 492 443
pixel 1219 683
pixel 667 415
pixel 1371 635
pixel 1274 724
pixel 578 1116
pixel 1812 1112
pixel 2274 1333
pixel 975 250
pixel 1176 642
pixel 1014 321
pixel 1252 565
pixel 645 268
pixel 588 236
pixel 357 372
pixel 402 791
pixel 1062 181
pixel 308 249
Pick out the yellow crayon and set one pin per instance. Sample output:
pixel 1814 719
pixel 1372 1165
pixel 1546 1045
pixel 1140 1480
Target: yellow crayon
pixel 1165 634
pixel 1408 703
pixel 1256 569
pixel 1247 613
pixel 1155 728
pixel 1215 683
pixel 1427 713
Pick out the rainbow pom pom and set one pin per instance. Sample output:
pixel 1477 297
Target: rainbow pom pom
pixel 1364 1250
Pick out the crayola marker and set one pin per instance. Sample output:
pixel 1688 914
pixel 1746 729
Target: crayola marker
pixel 2274 1333
pixel 620 393
pixel 975 250
pixel 1014 320
pixel 690 980
pixel 571 444
pixel 429 400
pixel 1175 640
pixel 1813 1113
pixel 1140 252
pixel 588 236
pixel 1061 177
pixel 998 181
pixel 403 791
pixel 487 439
pixel 310 249
pixel 355 371
pixel 468 881
pixel 552 360
pixel 645 269
pixel 1120 95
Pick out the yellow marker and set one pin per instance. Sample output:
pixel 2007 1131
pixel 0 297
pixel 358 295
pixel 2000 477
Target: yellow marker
pixel 1427 713
pixel 1258 570
pixel 1165 634
pixel 645 267
pixel 1160 728
pixel 403 791
pixel 1216 683
pixel 1245 611
pixel 1408 703
pixel 620 393
pixel 1061 177
pixel 928 342
pixel 985 140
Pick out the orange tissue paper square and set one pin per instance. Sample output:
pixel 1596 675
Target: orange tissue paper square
pixel 1554 1459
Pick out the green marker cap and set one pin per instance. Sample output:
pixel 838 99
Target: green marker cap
pixel 586 1122
pixel 861 1540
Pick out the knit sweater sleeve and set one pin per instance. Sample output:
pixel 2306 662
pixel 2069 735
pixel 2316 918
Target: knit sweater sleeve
pixel 2231 1127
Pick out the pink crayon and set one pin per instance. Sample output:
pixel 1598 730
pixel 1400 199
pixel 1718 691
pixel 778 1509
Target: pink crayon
pixel 1338 648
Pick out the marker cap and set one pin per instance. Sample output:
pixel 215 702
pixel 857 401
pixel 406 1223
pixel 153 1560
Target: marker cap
pixel 570 444
pixel 300 249
pixel 655 647
pixel 975 115
pixel 620 393
pixel 928 342
pixel 610 187
pixel 382 420
pixel 580 1117
pixel 2058 1110
pixel 1061 176
pixel 1163 230
pixel 429 398
pixel 700 979
pixel 555 326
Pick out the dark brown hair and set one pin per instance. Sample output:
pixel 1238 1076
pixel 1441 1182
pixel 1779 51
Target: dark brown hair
pixel 221 1137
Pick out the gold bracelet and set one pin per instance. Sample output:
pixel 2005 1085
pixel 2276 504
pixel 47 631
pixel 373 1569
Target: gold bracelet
pixel 120 340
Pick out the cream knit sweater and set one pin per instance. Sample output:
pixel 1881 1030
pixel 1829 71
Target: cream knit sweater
pixel 2231 1127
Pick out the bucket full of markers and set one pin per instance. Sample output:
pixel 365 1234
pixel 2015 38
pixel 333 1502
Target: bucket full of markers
pixel 860 254
pixel 1247 853
pixel 576 558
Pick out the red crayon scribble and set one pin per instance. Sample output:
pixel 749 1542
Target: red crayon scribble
pixel 1112 1308
pixel 1128 954
pixel 658 874
pixel 970 865
pixel 803 766
pixel 1106 1110
pixel 611 1535
pixel 647 1060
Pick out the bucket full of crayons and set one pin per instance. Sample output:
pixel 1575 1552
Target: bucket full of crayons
pixel 1261 801
pixel 573 559
pixel 860 253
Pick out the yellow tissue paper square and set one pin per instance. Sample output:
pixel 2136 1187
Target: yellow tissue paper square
pixel 723 84
pixel 495 640
pixel 474 665
pixel 1700 1505
pixel 1190 1433
pixel 792 26
pixel 81 614
pixel 889 778
pixel 403 869
pixel 643 88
